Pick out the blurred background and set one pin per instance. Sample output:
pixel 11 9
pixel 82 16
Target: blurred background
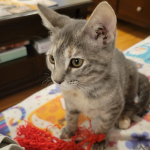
pixel 24 40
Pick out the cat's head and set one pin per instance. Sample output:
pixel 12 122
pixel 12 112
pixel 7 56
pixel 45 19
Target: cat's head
pixel 80 51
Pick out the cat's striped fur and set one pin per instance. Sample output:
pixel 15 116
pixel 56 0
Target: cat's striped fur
pixel 105 86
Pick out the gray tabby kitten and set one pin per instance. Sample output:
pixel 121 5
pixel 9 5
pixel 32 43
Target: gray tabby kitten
pixel 94 77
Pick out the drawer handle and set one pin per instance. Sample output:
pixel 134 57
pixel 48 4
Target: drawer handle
pixel 139 9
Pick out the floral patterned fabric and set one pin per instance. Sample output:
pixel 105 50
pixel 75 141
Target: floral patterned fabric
pixel 46 108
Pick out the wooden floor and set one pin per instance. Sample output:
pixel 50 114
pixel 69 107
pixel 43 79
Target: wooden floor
pixel 128 35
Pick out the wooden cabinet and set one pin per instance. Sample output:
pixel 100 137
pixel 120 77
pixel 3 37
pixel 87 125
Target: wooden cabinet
pixel 21 73
pixel 133 11
pixel 18 71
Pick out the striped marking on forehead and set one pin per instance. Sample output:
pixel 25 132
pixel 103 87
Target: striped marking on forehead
pixel 70 51
pixel 59 43
pixel 53 48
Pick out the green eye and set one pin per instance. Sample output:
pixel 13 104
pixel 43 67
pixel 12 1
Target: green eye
pixel 76 63
pixel 52 60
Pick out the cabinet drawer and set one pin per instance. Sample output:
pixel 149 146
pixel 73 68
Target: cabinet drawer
pixel 138 10
pixel 18 71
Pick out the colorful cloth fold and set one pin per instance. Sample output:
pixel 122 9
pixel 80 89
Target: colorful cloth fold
pixel 7 143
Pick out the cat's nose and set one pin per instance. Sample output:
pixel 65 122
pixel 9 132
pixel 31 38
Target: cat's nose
pixel 58 82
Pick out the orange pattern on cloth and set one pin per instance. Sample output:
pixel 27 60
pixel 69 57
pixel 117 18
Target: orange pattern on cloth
pixel 54 113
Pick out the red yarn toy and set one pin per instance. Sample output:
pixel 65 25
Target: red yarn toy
pixel 33 138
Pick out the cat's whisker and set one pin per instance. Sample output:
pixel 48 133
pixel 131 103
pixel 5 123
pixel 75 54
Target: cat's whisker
pixel 47 75
pixel 48 79
pixel 38 37
pixel 46 83
pixel 80 87
pixel 85 90
pixel 43 82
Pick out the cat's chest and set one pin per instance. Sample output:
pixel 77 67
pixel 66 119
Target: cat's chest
pixel 77 100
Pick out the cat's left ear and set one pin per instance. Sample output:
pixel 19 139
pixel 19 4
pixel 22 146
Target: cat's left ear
pixel 51 19
pixel 102 23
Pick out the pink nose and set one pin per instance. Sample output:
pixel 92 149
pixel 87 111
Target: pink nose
pixel 58 82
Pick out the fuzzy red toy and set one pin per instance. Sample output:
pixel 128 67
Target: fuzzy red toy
pixel 33 138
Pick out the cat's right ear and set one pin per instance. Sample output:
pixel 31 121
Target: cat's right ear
pixel 101 26
pixel 51 19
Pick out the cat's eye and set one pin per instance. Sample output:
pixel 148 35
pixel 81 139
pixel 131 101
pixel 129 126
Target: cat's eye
pixel 76 62
pixel 52 60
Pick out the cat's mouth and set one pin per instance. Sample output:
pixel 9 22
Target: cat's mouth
pixel 65 87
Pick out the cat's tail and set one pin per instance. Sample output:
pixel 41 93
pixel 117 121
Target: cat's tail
pixel 143 94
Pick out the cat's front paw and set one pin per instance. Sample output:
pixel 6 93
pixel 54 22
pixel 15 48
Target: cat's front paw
pixel 123 122
pixel 100 145
pixel 65 134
